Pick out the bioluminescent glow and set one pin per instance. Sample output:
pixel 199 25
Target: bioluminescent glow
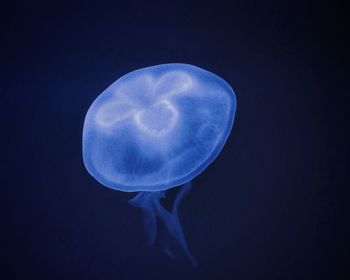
pixel 157 128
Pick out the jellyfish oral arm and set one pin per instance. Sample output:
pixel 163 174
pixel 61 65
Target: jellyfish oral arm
pixel 174 242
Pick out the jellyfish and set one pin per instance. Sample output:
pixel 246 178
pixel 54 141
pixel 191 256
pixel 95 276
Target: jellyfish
pixel 154 129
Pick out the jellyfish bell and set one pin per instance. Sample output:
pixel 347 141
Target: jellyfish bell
pixel 157 128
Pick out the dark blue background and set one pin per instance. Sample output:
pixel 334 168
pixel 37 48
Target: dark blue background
pixel 274 203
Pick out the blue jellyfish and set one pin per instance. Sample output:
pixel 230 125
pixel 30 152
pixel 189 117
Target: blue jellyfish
pixel 154 129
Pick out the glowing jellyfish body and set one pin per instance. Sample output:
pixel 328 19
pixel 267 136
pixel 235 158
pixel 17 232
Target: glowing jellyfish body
pixel 157 128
